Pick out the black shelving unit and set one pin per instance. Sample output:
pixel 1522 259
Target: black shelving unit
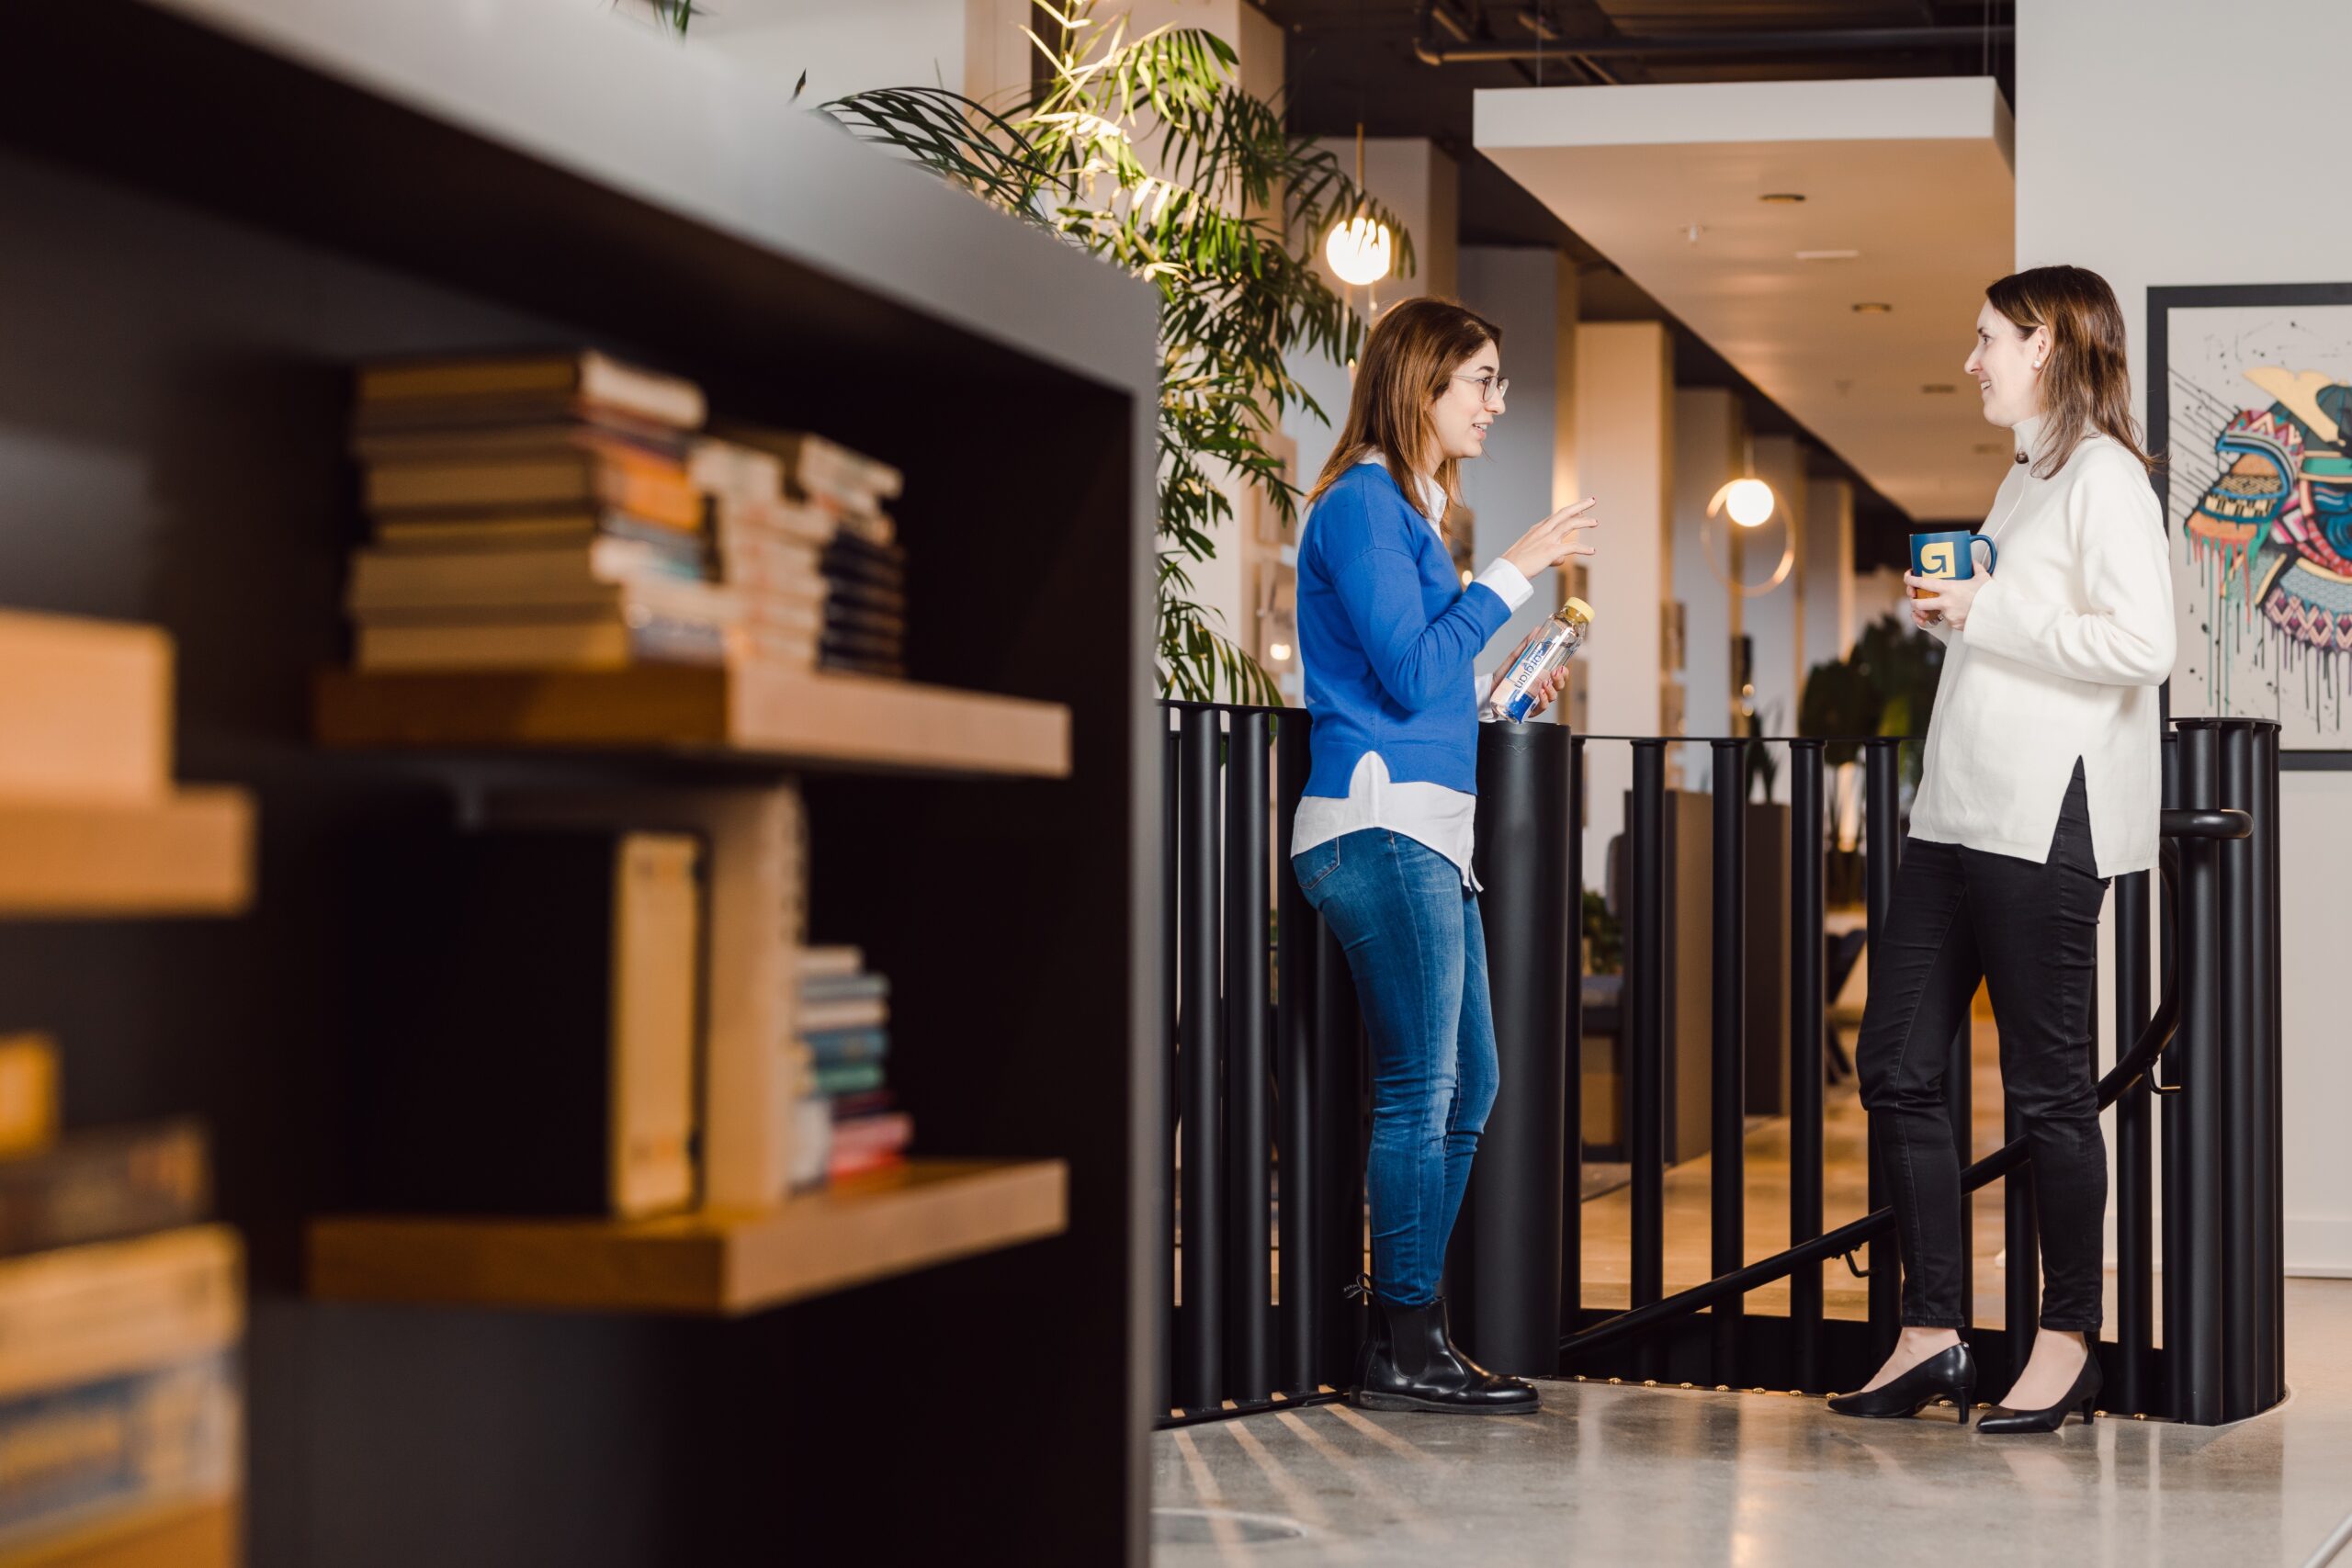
pixel 218 206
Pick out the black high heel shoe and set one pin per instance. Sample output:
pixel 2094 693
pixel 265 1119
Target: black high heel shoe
pixel 2001 1419
pixel 1948 1374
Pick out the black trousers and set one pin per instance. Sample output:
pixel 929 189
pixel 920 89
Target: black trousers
pixel 2030 933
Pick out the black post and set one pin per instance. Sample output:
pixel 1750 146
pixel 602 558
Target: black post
pixel 1336 1101
pixel 2134 1188
pixel 1807 980
pixel 2246 1308
pixel 1882 850
pixel 2271 1254
pixel 2172 1121
pixel 1572 1095
pixel 1645 1014
pixel 1172 1097
pixel 2197 1355
pixel 2022 1238
pixel 1727 1208
pixel 1200 1369
pixel 1510 1320
pixel 1294 935
pixel 1248 1142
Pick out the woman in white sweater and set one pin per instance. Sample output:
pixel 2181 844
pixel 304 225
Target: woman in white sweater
pixel 2041 780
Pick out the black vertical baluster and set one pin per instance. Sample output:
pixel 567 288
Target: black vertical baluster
pixel 2244 1308
pixel 1572 1207
pixel 1727 1210
pixel 2272 1255
pixel 1202 1369
pixel 1959 1115
pixel 1645 1012
pixel 2134 1191
pixel 1807 980
pixel 1164 1125
pixel 1294 931
pixel 1249 1135
pixel 2172 1121
pixel 1338 1106
pixel 2198 1365
pixel 1881 806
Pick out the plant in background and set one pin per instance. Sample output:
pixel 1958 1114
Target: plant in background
pixel 1886 686
pixel 1604 936
pixel 1146 152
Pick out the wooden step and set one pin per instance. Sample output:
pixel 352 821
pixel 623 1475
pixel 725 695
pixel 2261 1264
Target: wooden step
pixel 187 1535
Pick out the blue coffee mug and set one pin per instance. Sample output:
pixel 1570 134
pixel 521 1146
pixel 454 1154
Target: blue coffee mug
pixel 1949 554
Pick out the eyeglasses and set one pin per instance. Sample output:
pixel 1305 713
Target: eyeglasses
pixel 1490 390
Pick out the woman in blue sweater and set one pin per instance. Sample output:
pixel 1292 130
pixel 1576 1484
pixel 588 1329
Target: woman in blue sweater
pixel 1386 635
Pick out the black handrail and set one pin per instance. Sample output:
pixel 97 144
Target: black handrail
pixel 2191 824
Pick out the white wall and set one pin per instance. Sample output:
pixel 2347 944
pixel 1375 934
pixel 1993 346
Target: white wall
pixel 2140 122
pixel 1774 621
pixel 1710 445
pixel 1827 570
pixel 1530 467
pixel 1625 456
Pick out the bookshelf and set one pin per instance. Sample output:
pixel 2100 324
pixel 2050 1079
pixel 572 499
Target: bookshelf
pixel 543 171
pixel 804 718
pixel 714 1263
pixel 190 853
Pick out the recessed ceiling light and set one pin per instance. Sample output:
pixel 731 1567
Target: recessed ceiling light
pixel 1939 389
pixel 1786 196
pixel 1829 255
pixel 1874 307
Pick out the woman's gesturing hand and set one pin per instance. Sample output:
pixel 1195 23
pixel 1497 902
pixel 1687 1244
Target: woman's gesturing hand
pixel 1553 540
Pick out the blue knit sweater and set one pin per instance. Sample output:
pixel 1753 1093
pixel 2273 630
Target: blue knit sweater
pixel 1387 634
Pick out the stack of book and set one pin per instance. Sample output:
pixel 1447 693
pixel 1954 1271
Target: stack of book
pixel 844 1016
pixel 531 511
pixel 802 517
pixel 120 1315
pixel 771 549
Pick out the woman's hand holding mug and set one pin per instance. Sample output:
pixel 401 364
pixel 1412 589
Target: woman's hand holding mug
pixel 1553 540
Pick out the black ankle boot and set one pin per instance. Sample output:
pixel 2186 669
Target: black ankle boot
pixel 1408 1362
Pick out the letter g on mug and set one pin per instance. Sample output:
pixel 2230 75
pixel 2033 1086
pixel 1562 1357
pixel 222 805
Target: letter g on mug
pixel 1950 553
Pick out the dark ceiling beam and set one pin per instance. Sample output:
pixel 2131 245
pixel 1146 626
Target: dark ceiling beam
pixel 1813 40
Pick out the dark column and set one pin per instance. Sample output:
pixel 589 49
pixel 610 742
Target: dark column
pixel 1643 1011
pixel 1295 932
pixel 1201 1366
pixel 1249 1142
pixel 1882 850
pixel 1509 1295
pixel 1807 980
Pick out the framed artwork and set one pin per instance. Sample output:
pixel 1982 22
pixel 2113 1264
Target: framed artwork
pixel 2250 403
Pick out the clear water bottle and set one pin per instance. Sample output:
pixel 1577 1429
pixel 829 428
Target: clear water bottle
pixel 1563 633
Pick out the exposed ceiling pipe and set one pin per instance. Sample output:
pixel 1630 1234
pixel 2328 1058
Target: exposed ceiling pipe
pixel 1817 40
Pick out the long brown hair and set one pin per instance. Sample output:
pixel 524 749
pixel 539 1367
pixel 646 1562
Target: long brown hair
pixel 1408 360
pixel 2086 380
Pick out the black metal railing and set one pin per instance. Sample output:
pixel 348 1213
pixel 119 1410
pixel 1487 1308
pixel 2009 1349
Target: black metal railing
pixel 1267 1102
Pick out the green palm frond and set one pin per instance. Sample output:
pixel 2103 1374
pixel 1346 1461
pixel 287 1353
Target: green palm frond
pixel 1144 151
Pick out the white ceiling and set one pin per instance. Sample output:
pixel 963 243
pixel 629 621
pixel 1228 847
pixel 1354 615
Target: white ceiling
pixel 1914 174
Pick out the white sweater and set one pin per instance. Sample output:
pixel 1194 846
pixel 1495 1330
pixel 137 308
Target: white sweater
pixel 2061 658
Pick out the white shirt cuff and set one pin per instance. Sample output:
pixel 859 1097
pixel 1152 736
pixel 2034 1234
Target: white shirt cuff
pixel 1509 584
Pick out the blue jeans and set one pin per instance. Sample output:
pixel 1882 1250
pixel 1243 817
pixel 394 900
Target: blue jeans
pixel 1410 929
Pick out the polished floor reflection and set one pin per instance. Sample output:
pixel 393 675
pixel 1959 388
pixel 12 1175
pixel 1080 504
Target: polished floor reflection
pixel 1611 1475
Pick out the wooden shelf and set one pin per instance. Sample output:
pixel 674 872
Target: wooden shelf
pixel 190 853
pixel 713 1263
pixel 188 1535
pixel 788 717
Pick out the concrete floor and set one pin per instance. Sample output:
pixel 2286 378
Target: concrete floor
pixel 1607 1475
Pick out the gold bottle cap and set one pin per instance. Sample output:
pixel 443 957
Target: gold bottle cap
pixel 1577 608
